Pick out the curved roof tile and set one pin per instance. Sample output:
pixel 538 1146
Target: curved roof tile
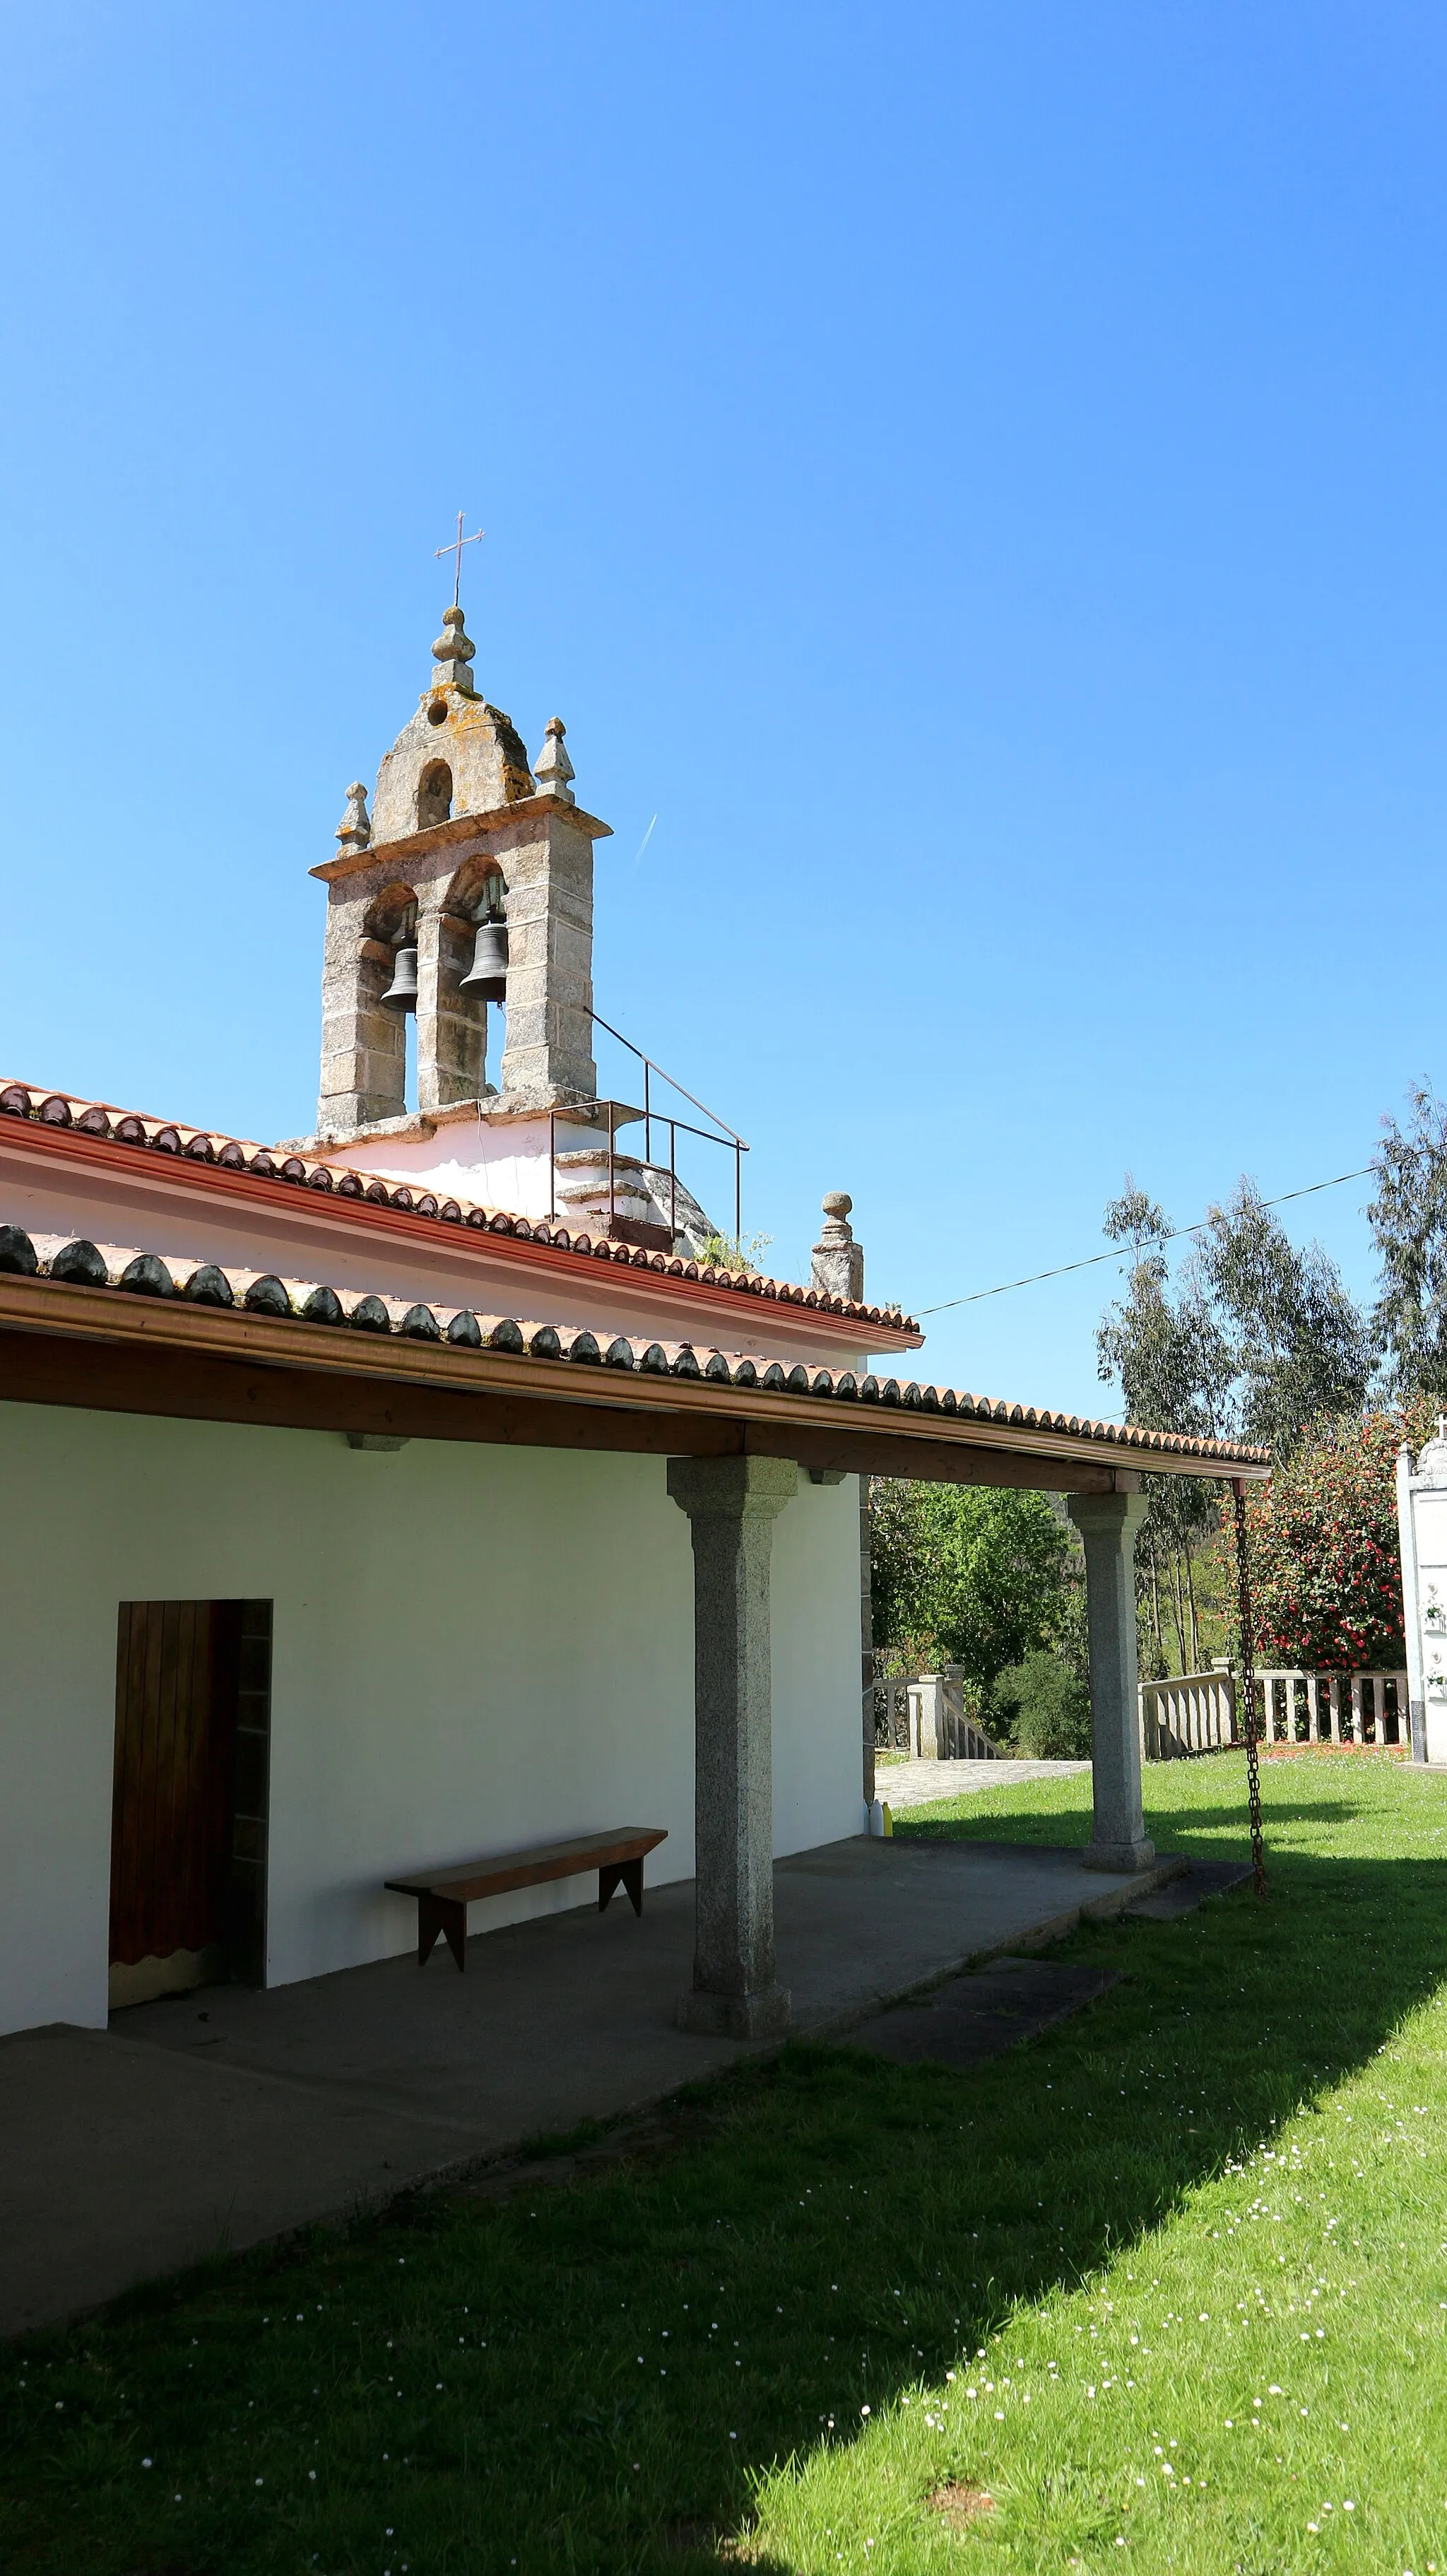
pixel 230 1153
pixel 262 1295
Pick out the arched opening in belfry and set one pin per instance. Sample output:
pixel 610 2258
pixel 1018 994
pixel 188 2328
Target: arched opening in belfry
pixel 434 794
pixel 477 904
pixel 387 988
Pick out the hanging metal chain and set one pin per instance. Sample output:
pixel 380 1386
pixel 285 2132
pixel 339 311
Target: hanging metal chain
pixel 1248 1688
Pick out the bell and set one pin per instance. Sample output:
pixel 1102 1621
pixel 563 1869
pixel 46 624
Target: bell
pixel 487 975
pixel 401 993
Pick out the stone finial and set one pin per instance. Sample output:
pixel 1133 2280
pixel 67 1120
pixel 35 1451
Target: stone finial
pixel 355 830
pixel 452 653
pixel 837 1264
pixel 552 769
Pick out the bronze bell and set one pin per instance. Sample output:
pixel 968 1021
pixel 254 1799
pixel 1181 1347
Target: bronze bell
pixel 487 975
pixel 401 993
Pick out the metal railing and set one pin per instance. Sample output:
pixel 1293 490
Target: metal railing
pixel 720 1133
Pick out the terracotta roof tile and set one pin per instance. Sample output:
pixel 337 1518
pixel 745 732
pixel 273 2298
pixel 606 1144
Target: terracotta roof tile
pixel 127 1127
pixel 262 1293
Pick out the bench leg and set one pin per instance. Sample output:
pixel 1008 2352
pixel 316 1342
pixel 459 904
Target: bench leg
pixel 627 1874
pixel 441 1914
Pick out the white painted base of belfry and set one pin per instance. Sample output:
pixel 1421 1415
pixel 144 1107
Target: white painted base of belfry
pixel 764 2016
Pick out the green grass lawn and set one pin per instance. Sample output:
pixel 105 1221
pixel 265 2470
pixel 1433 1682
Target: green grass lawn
pixel 1167 2286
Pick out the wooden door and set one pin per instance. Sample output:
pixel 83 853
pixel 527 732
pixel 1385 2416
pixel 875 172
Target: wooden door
pixel 171 1816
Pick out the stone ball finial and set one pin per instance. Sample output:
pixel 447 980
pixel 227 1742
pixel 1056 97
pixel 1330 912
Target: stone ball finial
pixel 355 830
pixel 552 768
pixel 837 1266
pixel 454 644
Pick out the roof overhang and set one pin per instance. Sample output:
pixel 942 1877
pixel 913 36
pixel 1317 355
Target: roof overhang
pixel 111 1351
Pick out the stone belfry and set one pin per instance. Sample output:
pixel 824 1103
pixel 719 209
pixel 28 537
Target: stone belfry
pixel 462 832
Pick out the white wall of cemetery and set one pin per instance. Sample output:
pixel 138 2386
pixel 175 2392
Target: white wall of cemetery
pixel 1422 1529
pixel 473 1647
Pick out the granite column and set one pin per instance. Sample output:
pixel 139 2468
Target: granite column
pixel 1108 1524
pixel 732 1504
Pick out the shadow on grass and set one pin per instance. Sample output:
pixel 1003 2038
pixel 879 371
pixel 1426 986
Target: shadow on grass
pixel 587 2375
pixel 1172 1829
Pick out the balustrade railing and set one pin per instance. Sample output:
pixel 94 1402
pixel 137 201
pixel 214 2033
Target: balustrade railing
pixel 1198 1712
pixel 1187 1713
pixel 927 1718
pixel 1334 1708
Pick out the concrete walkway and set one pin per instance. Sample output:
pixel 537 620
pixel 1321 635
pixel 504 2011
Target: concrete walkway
pixel 918 1784
pixel 217 2119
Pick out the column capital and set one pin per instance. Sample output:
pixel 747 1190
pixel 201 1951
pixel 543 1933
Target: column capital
pixel 1107 1515
pixel 731 1488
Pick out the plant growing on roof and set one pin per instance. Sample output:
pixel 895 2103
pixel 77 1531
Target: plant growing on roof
pixel 733 1251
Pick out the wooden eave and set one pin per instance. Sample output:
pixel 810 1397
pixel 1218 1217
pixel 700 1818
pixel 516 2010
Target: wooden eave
pixel 108 1350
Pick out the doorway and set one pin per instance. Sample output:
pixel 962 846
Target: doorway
pixel 188 1815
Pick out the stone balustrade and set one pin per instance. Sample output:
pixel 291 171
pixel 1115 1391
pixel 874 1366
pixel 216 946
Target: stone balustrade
pixel 1197 1712
pixel 926 1717
pixel 1187 1713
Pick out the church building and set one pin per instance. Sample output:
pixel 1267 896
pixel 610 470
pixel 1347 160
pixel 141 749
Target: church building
pixel 438 1486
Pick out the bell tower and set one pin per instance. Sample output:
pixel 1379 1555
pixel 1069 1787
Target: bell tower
pixel 470 884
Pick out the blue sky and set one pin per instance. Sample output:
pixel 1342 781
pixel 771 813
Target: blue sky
pixel 975 473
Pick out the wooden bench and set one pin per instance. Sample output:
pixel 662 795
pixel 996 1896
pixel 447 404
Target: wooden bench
pixel 444 1895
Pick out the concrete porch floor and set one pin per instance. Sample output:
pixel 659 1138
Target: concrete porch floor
pixel 217 2119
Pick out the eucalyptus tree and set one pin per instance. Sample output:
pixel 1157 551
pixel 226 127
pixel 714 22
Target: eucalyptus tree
pixel 1297 1348
pixel 1169 1359
pixel 1409 1220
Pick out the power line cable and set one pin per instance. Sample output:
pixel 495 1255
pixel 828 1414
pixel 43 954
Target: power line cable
pixel 1175 1236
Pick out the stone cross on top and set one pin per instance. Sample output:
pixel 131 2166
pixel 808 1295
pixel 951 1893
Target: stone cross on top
pixel 454 546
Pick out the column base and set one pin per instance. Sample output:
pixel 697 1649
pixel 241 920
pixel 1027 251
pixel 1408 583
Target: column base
pixel 1120 1857
pixel 762 2016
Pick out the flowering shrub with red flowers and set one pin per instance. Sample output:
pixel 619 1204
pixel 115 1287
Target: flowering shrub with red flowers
pixel 1326 1569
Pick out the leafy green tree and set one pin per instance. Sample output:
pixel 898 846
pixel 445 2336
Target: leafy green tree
pixel 1326 1568
pixel 1409 1220
pixel 966 1574
pixel 1256 1341
pixel 1298 1350
pixel 1045 1708
pixel 1173 1368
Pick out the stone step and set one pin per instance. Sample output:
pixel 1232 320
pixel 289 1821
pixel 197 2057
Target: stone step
pixel 979 2016
pixel 1183 1895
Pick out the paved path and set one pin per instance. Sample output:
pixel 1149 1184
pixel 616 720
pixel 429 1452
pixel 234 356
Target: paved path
pixel 217 2119
pixel 914 1784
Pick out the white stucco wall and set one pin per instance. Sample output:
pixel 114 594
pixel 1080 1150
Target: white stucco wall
pixel 473 1647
